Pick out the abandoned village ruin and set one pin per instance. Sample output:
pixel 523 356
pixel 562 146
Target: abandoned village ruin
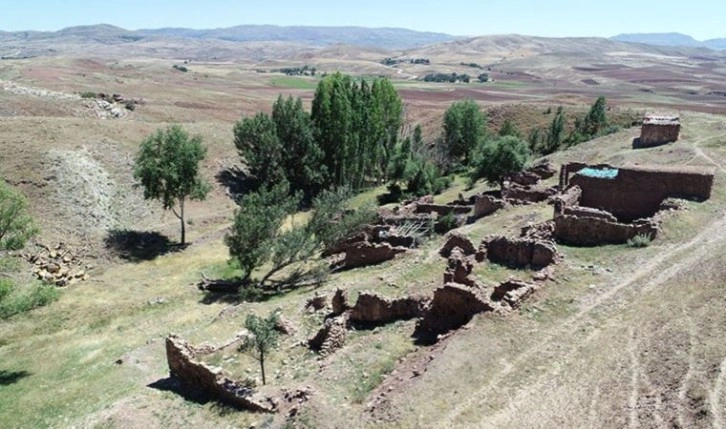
pixel 592 205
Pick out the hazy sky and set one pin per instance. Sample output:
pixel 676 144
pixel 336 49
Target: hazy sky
pixel 703 19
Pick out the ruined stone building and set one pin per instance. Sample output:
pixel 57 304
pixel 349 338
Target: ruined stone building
pixel 658 130
pixel 606 204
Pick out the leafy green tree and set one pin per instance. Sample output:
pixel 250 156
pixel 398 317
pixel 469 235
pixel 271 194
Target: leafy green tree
pixel 555 133
pixel 387 102
pixel 496 159
pixel 301 157
pixel 464 128
pixel 596 119
pixel 258 145
pixel 263 338
pixel 167 166
pixel 16 225
pixel 257 237
pixel 257 224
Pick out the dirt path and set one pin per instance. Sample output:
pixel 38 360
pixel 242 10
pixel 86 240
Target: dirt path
pixel 716 407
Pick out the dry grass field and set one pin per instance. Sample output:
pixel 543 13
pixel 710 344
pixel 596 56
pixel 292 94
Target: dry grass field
pixel 621 337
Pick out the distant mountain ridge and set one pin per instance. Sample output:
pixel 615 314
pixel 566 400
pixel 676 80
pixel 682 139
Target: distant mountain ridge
pixel 670 39
pixel 386 38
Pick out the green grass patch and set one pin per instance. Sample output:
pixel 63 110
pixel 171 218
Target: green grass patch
pixel 294 82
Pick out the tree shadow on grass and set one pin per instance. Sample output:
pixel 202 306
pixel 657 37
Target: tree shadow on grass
pixel 11 377
pixel 237 182
pixel 136 246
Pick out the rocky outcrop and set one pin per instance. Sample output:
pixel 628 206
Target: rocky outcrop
pixel 457 239
pixel 520 252
pixel 331 336
pixel 512 292
pixel 183 364
pixel 374 309
pixel 484 205
pixel 453 306
pixel 592 231
pixel 58 265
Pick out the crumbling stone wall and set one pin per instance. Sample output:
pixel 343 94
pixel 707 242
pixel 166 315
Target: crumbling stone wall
pixel 443 209
pixel 520 252
pixel 527 194
pixel 589 212
pixel 453 306
pixel 331 336
pixel 637 192
pixel 568 198
pixel 484 205
pixel 659 130
pixel 457 239
pixel 373 309
pixel 578 230
pixel 181 357
pixel 459 269
pixel 512 292
pixel 364 253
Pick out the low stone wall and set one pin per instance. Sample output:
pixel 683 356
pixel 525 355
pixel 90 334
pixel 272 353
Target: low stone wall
pixel 591 231
pixel 589 212
pixel 374 309
pixel 181 357
pixel 512 292
pixel 520 252
pixel 527 194
pixel 361 254
pixel 484 205
pixel 443 209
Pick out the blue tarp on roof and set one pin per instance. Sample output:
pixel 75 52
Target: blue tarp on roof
pixel 599 173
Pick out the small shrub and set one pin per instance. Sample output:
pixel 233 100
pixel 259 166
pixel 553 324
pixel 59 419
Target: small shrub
pixel 181 68
pixel 13 302
pixel 131 106
pixel 88 94
pixel 640 240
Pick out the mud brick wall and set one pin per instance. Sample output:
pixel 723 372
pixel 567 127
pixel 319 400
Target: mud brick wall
pixel 638 192
pixel 658 134
pixel 591 231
